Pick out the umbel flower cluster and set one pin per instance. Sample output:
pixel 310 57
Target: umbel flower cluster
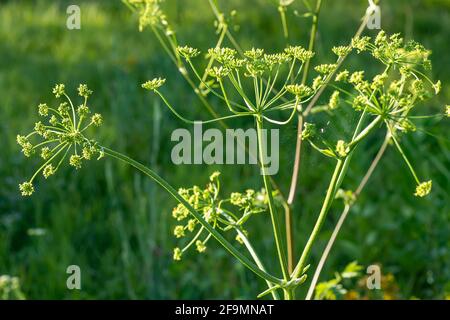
pixel 60 135
pixel 150 14
pixel 255 84
pixel 388 97
pixel 228 214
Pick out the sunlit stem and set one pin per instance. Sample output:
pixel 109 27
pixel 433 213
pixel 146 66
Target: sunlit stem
pixel 273 214
pixel 160 181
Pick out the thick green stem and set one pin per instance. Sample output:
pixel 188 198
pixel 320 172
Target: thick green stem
pixel 323 213
pixel 272 209
pixel 155 177
pixel 343 216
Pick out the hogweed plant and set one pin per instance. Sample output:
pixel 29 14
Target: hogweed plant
pixel 270 88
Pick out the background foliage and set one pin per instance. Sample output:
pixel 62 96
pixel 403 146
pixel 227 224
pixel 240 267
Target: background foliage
pixel 116 225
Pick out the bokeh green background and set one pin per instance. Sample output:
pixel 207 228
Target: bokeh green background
pixel 117 226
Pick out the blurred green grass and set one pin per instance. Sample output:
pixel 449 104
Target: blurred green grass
pixel 116 225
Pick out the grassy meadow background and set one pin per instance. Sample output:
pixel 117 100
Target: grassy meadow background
pixel 117 226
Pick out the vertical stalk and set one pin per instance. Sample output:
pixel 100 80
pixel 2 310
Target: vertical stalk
pixel 296 168
pixel 312 41
pixel 323 213
pixel 343 216
pixel 272 210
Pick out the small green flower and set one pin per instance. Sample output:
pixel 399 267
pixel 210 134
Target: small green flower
pixel 48 171
pixel 317 82
pixel 58 90
pixel 97 120
pixel 437 87
pixel 84 91
pixel 342 148
pixel 177 254
pixel 380 38
pixel 347 196
pixel 447 110
pixel 53 120
pixel 63 108
pixel 180 212
pixel 342 51
pixel 214 176
pixel 405 125
pixel 43 109
pixel 334 100
pixel 309 131
pixel 21 140
pixel 188 52
pixel 178 231
pixel 224 56
pixel 75 161
pixel 360 103
pixel 191 225
pixel 200 246
pixel 325 69
pixel 26 188
pixel 378 81
pixel 299 90
pixel 423 189
pixel 357 77
pixel 342 76
pixel 27 149
pixel 83 110
pixel 153 84
pixel 254 54
pixel 299 53
pixel 361 43
pixel 87 153
pixel 39 128
pixel 45 153
pixel 218 72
